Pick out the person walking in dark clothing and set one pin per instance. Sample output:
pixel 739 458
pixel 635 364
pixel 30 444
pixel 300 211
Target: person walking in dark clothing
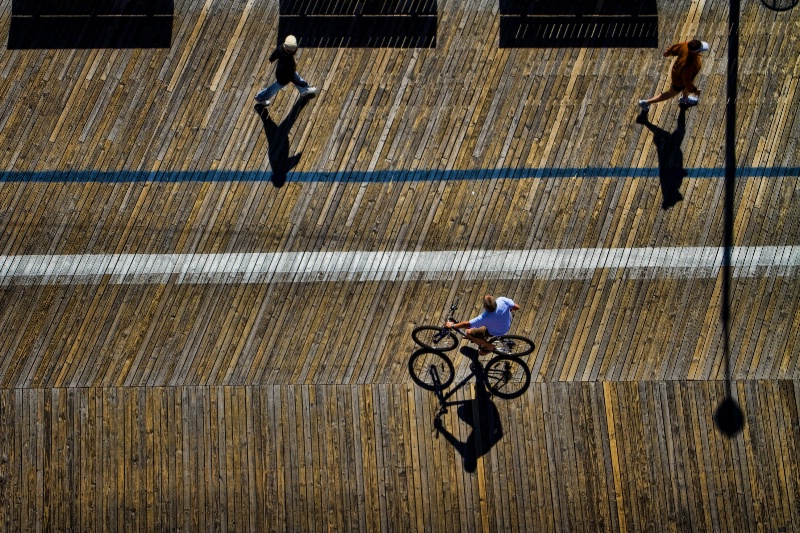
pixel 285 73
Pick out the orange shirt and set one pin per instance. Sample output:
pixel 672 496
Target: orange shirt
pixel 686 66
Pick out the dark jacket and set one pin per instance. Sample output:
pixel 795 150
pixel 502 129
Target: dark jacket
pixel 286 67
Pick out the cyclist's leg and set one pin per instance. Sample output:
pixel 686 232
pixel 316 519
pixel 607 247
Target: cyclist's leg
pixel 479 336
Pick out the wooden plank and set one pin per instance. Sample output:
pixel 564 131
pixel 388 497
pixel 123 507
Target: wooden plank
pixel 283 495
pixel 609 412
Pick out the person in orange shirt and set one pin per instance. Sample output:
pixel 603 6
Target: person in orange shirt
pixel 684 71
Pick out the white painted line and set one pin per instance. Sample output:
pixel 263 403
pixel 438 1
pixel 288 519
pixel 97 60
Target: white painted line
pixel 576 263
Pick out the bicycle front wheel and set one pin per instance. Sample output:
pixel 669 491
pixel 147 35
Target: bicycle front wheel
pixel 507 377
pixel 513 345
pixel 431 369
pixel 435 338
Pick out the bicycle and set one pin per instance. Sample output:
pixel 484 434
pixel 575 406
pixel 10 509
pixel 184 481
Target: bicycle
pixel 505 376
pixel 441 338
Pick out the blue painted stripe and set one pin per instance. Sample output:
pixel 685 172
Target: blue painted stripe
pixel 382 176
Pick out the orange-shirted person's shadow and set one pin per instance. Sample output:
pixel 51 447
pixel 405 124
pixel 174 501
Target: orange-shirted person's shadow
pixel 670 157
pixel 278 141
pixel 481 414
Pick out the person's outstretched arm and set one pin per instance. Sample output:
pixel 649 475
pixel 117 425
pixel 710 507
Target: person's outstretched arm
pixel 671 51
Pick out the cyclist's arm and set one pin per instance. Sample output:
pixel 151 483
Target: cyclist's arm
pixel 457 325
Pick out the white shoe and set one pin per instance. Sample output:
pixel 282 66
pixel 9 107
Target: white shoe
pixel 689 101
pixel 265 103
pixel 644 105
pixel 309 93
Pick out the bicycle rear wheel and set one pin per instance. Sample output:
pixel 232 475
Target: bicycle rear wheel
pixel 507 377
pixel 431 369
pixel 435 338
pixel 514 345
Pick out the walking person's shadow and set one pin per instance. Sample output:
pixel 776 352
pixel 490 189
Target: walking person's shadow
pixel 278 141
pixel 480 413
pixel 670 157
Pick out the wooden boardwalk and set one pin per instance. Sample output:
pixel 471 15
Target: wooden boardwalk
pixel 138 399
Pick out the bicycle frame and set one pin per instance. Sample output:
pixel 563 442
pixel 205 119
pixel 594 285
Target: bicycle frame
pixel 442 397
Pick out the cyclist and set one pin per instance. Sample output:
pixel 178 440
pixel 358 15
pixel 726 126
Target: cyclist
pixel 495 320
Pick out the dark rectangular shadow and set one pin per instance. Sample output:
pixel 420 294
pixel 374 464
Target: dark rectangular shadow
pixel 562 23
pixel 359 24
pixel 46 24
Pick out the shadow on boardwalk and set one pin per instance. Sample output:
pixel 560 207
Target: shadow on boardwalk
pixel 481 414
pixel 278 141
pixel 670 157
pixel 90 24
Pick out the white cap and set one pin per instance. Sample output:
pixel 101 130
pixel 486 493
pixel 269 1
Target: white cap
pixel 703 46
pixel 290 44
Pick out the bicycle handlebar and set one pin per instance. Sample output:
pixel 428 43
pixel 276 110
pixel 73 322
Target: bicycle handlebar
pixel 453 308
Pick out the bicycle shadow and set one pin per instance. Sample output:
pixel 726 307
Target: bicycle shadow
pixel 670 157
pixel 278 141
pixel 481 414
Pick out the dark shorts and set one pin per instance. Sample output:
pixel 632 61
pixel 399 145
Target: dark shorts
pixel 481 332
pixel 677 89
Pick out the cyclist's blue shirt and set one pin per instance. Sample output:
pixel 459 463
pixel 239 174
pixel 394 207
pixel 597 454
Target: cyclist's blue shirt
pixel 497 322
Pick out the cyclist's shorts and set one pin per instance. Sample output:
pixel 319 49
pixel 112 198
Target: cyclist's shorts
pixel 480 332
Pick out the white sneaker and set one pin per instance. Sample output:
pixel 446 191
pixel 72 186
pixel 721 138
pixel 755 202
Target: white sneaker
pixel 309 93
pixel 265 103
pixel 644 105
pixel 689 101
